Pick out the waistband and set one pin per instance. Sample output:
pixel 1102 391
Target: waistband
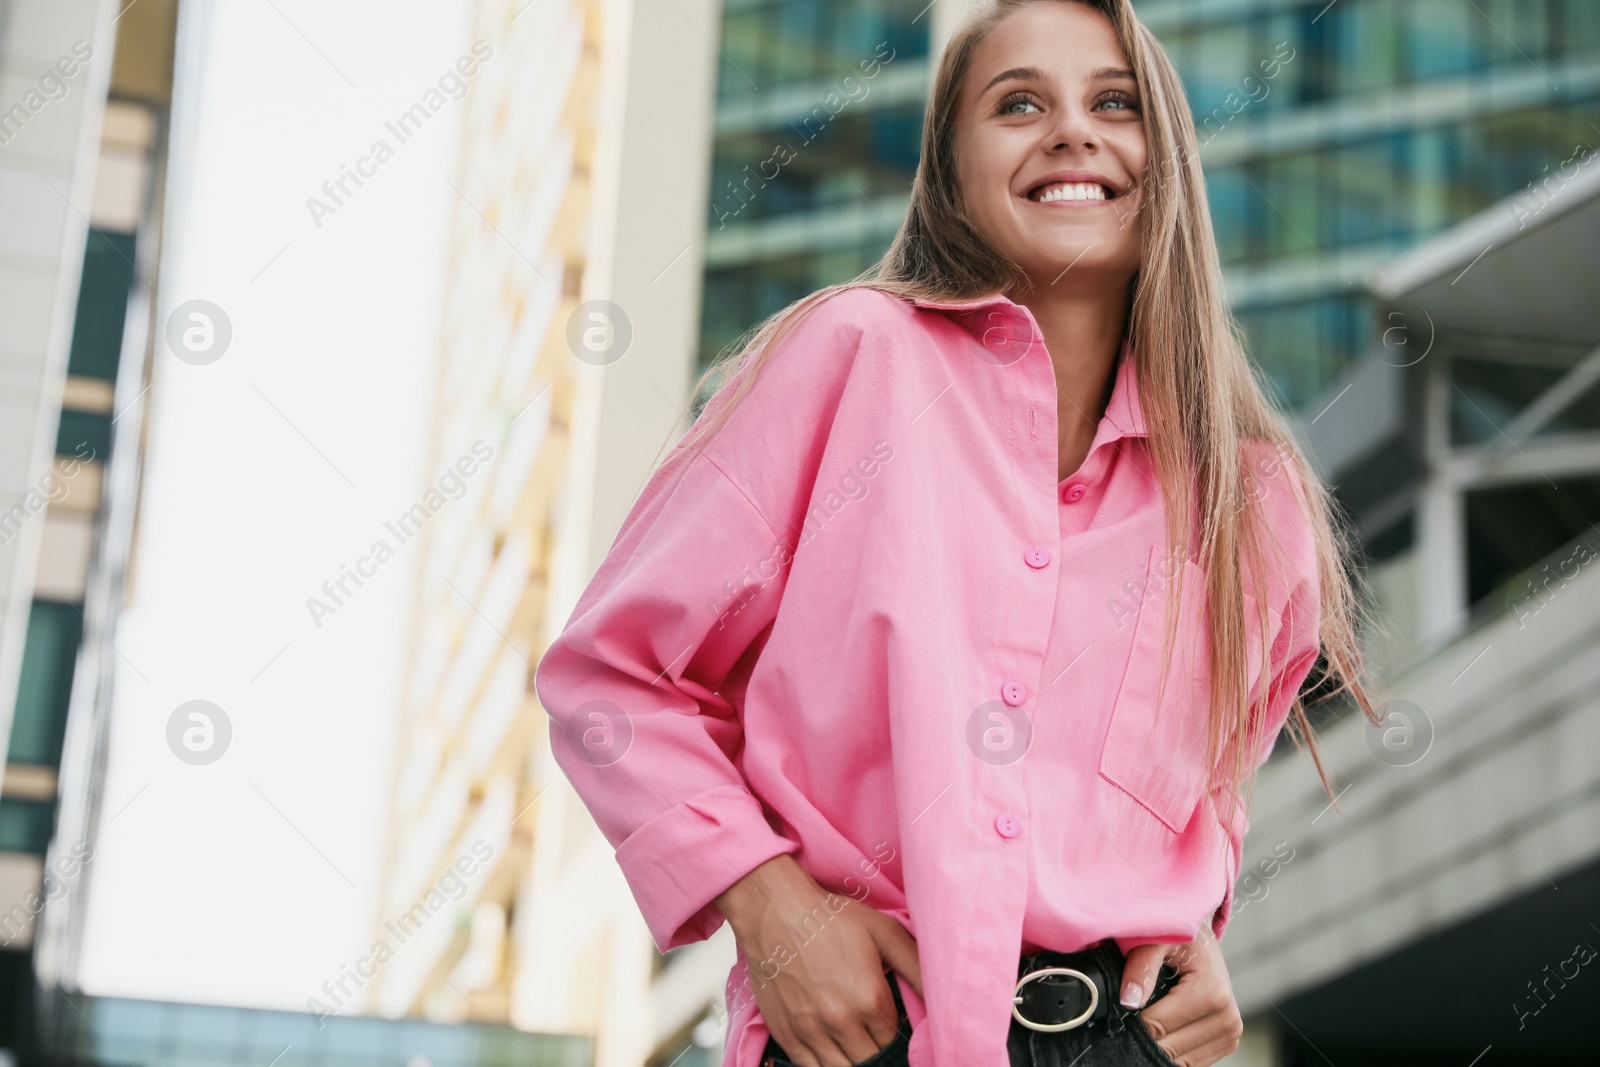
pixel 1067 990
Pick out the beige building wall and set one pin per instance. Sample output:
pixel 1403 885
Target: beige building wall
pixel 587 949
pixel 627 127
pixel 648 258
pixel 581 169
pixel 467 787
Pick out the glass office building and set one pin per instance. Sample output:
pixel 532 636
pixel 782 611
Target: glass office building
pixel 1383 124
pixel 136 1033
pixel 1380 124
pixel 816 136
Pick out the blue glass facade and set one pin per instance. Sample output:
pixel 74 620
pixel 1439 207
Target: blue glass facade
pixel 1381 124
pixel 146 1032
pixel 818 124
pixel 1386 123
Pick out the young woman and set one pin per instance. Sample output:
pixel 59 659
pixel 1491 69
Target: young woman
pixel 936 656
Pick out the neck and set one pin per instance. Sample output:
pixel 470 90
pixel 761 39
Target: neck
pixel 1083 329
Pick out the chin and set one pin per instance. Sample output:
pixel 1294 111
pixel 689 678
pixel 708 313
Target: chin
pixel 1052 261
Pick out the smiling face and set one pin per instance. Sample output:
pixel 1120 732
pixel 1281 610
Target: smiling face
pixel 1050 145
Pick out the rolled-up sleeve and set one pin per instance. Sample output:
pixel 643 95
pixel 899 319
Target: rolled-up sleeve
pixel 644 686
pixel 632 686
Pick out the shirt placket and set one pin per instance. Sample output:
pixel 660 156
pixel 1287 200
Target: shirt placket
pixel 1031 563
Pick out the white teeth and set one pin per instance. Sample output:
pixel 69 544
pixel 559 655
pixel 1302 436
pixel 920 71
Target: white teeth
pixel 1073 191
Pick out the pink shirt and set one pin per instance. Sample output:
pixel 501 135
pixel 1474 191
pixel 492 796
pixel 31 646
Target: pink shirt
pixel 870 627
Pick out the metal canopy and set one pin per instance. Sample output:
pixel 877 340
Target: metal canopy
pixel 1528 267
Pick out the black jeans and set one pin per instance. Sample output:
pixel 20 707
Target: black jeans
pixel 1119 1041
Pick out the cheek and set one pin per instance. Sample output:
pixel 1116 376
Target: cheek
pixel 984 187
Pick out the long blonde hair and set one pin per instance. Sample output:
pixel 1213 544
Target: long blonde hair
pixel 1196 387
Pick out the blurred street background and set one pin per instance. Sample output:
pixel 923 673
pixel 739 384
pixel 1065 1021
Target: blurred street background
pixel 336 340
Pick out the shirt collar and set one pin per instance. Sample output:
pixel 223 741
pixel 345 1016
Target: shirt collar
pixel 1124 410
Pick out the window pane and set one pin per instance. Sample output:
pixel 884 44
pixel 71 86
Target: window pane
pixel 40 721
pixel 1221 58
pixel 1368 44
pixel 1441 38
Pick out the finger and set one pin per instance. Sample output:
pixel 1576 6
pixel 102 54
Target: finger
pixel 820 1050
pixel 1139 970
pixel 1216 1026
pixel 846 1044
pixel 1197 997
pixel 1205 1055
pixel 898 949
pixel 798 1052
pixel 1184 1004
pixel 1196 1035
pixel 877 1014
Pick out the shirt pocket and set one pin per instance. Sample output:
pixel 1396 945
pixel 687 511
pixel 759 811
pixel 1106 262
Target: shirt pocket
pixel 1157 753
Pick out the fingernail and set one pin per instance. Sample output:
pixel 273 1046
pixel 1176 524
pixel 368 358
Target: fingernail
pixel 1132 994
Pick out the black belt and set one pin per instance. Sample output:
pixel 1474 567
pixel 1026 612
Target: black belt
pixel 1066 990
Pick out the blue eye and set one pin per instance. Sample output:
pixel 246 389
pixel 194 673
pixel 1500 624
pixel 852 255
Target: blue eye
pixel 1006 105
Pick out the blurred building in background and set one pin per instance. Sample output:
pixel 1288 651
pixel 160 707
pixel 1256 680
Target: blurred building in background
pixel 1336 138
pixel 1407 211
pixel 469 760
pixel 1408 226
pixel 568 340
pixel 80 157
pixel 82 199
pixel 815 139
pixel 1465 852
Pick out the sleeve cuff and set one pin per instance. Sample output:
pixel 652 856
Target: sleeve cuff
pixel 679 862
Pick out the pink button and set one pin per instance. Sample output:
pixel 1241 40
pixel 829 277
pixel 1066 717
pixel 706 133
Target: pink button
pixel 1008 826
pixel 1073 493
pixel 1013 693
pixel 1037 557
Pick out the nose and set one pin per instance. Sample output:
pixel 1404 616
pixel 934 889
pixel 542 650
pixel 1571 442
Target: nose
pixel 1074 128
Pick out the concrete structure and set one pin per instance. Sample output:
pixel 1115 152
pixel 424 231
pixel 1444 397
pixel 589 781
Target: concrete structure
pixel 1448 904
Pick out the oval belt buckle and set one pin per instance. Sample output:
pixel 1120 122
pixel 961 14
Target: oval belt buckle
pixel 1094 999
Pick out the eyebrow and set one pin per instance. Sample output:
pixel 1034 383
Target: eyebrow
pixel 1035 74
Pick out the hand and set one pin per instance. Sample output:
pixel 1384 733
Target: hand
pixel 817 961
pixel 1197 1021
